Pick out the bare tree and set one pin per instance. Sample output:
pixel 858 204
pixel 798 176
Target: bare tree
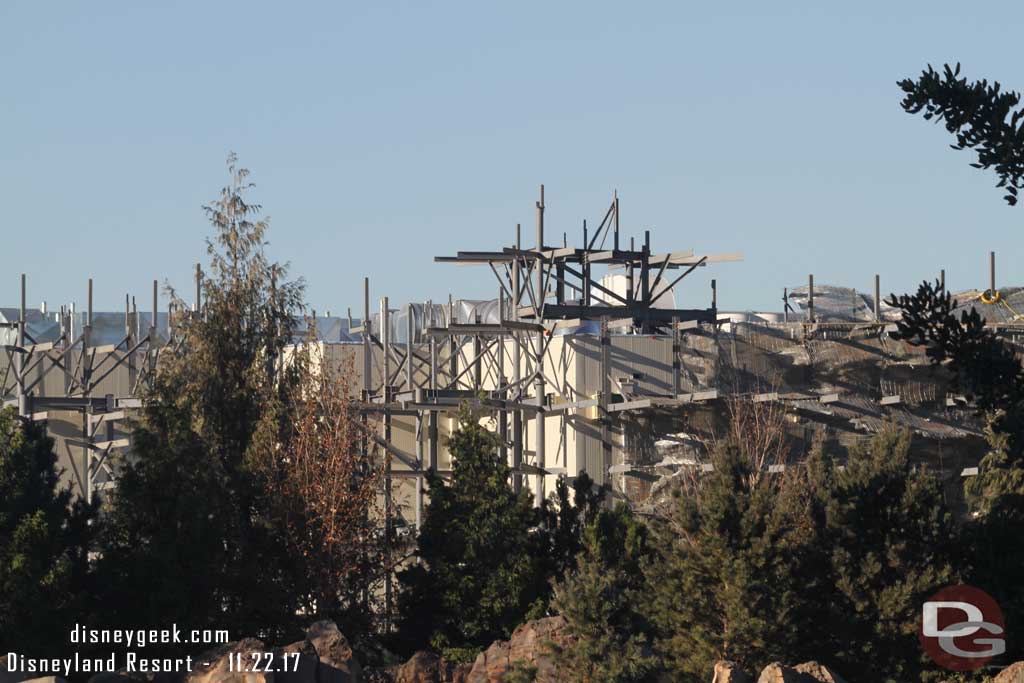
pixel 326 486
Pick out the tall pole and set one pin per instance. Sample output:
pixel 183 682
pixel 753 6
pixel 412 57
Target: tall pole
pixel 517 415
pixel 410 387
pixel 385 333
pixel 87 382
pixel 502 389
pixel 992 273
pixel 604 399
pixel 199 289
pixel 539 388
pixel 878 295
pixel 432 416
pixel 810 298
pixel 19 357
pixel 616 219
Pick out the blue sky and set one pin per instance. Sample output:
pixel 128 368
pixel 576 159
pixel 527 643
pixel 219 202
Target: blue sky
pixel 382 134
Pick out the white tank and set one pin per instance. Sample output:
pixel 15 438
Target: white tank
pixel 617 283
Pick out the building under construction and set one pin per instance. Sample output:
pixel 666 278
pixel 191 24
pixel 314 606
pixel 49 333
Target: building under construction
pixel 584 360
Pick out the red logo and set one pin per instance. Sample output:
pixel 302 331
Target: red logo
pixel 962 628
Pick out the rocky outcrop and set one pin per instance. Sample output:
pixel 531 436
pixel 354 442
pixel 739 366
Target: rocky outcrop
pixel 337 663
pixel 302 669
pixel 529 646
pixel 730 672
pixel 777 672
pixel 215 666
pixel 1011 674
pixel 819 672
pixel 422 667
pixel 323 657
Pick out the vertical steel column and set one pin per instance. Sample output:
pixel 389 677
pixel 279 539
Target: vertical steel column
pixel 585 267
pixel 517 414
pixel 199 289
pixel 676 361
pixel 129 335
pixel 539 388
pixel 502 389
pixel 19 356
pixel 810 298
pixel 154 339
pixel 942 280
pixel 453 351
pixel 603 399
pixel 367 348
pixel 645 284
pixel 410 387
pixel 992 273
pixel 878 294
pixel 385 333
pixel 87 384
pixel 432 417
pixel 616 224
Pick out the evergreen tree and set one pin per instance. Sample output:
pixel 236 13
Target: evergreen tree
pixel 892 541
pixel 988 370
pixel 982 116
pixel 731 577
pixel 44 543
pixel 480 554
pixel 567 513
pixel 190 535
pixel 599 601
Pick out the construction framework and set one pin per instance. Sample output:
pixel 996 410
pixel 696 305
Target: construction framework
pixel 511 364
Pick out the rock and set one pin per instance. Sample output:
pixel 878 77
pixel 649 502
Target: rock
pixel 46 679
pixel 422 667
pixel 337 663
pixel 301 671
pixel 457 674
pixel 214 666
pixel 1011 674
pixel 780 673
pixel 528 645
pixel 819 672
pixel 730 672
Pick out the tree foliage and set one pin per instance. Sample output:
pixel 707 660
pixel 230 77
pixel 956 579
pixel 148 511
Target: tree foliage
pixel 44 543
pixel 729 575
pixel 325 487
pixel 989 371
pixel 480 562
pixel 981 115
pixel 190 534
pixel 599 600
pixel 891 541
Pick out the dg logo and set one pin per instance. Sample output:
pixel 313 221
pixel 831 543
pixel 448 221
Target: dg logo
pixel 962 628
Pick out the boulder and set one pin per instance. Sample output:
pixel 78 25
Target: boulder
pixel 529 645
pixel 422 667
pixel 214 666
pixel 1011 674
pixel 457 673
pixel 780 673
pixel 730 672
pixel 337 663
pixel 46 679
pixel 299 670
pixel 819 672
